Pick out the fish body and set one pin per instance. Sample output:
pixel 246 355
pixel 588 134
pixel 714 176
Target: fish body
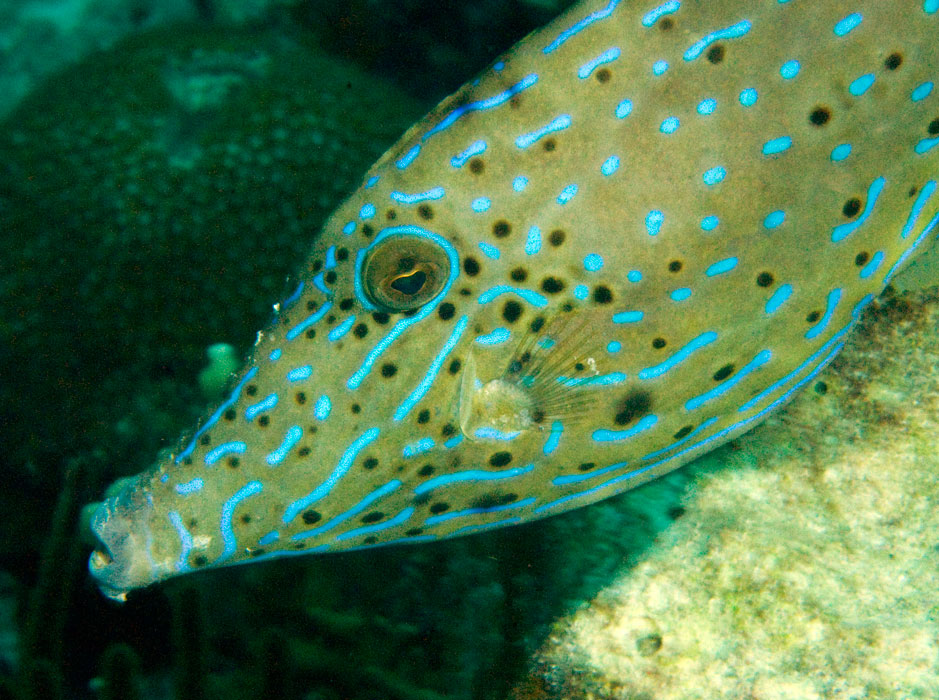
pixel 633 237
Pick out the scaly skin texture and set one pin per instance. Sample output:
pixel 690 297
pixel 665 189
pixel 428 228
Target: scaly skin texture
pixel 630 240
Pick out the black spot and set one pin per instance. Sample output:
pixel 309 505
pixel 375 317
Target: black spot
pixel 602 294
pixel 861 258
pixel 330 277
pixel 448 430
pixel 765 279
pixel 303 452
pixel 603 75
pixel 371 539
pixel 493 500
pixel 372 517
pixel 500 459
pixel 355 408
pixel 230 414
pixel 188 461
pixel 346 304
pixel 310 333
pixel 675 266
pixel 233 462
pixel 312 306
pixel 246 518
pixel 476 166
pixel 331 319
pixel 300 397
pixel 370 462
pixel 933 127
pixel 821 388
pixel 413 532
pixel 251 390
pixel 893 61
pixel 501 229
pixel 423 416
pixel 537 324
pixel 557 237
pixel 820 116
pixel 658 343
pixel 724 372
pixel 439 507
pixel 360 330
pixel 851 207
pixel 445 311
pixel 426 470
pixel 315 266
pixel 391 215
pixel 666 24
pixel 511 311
pixel 454 366
pixel 538 416
pixel 683 432
pixel 367 230
pixel 552 285
pixel 519 274
pixel 549 145
pixel 426 212
pixel 311 517
pixel 380 317
pixel 586 466
pixel 912 192
pixel 814 316
pixel 465 292
pixel 342 254
pixel 632 406
pixel 716 53
pixel 389 370
pixel 263 421
pixel 199 560
pixel 257 552
pixel 470 266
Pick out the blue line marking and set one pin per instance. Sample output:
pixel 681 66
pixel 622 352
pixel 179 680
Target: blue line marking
pixel 482 527
pixel 840 152
pixel 474 149
pixel 581 25
pixel 320 284
pixel 721 266
pixel 581 292
pixel 628 317
pixel 778 298
pixel 296 294
pixel 323 407
pixel 760 359
pixel 669 125
pixel 834 296
pixel 300 373
pixel 839 233
pixel 872 265
pixel 589 67
pixel 917 209
pixel 554 438
pixel 567 194
pixel 921 91
pixel 418 448
pixel 680 294
pixel 593 262
pixel 488 103
pixel 433 193
pixel 533 298
pixel 909 251
pixel 520 183
pixel 367 211
pixel 265 404
pixel 372 181
pixel 598 380
pixel 340 330
pixel 777 145
pixel 213 419
pixel 424 386
pixel 709 223
pixel 556 124
pixel 614 346
pixel 291 438
pixel 228 510
pixel 926 145
pixel 275 354
pixel 790 69
pixel 481 204
pixel 190 487
pixel 489 250
pixel 330 258
pixel 706 107
pixel 644 424
pixel 408 157
pixel 714 176
pixel 731 32
pixel 654 221
pixel 363 504
pixel 226 448
pixel 472 475
pixel 566 479
pixel 930 7
pixel 748 97
pixel 690 436
pixel 680 356
pixel 345 463
pixel 774 219
pixel 454 441
pixel 496 337
pixel 847 24
pixel 610 165
pixel 489 433
pixel 269 538
pixel 861 85
pixel 652 16
pixel 533 242
pixel 443 517
pixel 659 67
pixel 377 527
pixel 349 228
pixel 624 109
pixel 309 321
pixel 634 276
pixel 185 542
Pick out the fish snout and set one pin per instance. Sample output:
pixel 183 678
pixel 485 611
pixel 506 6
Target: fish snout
pixel 122 560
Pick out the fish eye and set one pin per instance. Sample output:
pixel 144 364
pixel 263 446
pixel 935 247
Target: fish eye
pixel 402 273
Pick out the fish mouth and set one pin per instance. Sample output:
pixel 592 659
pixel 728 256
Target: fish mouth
pixel 122 560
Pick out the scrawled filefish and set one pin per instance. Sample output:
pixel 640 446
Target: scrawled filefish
pixel 632 238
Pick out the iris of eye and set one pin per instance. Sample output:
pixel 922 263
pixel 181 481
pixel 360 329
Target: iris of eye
pixel 411 283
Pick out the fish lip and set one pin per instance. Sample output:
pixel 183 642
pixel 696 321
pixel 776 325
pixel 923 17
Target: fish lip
pixel 121 561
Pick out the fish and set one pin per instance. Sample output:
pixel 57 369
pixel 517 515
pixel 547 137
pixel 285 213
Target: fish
pixel 633 237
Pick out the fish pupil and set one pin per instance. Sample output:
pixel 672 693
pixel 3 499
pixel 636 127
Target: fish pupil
pixel 411 283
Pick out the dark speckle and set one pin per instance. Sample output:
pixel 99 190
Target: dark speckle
pixel 519 274
pixel 821 388
pixel 861 258
pixel 454 367
pixel 715 54
pixel 820 116
pixel 635 404
pixel 675 266
pixel 511 311
pixel 603 75
pixel 389 369
pixel 602 294
pixel 470 266
pixel 500 459
pixel 423 416
pixel 933 127
pixel 683 432
pixel 311 517
pixel 372 517
pixel 476 166
pixel 445 311
pixel 426 212
pixel 552 285
pixel 764 279
pixel 658 343
pixel 501 229
pixel 851 207
pixel 724 372
pixel 370 462
pixel 814 316
pixel 549 145
pixel 893 61
pixel 556 238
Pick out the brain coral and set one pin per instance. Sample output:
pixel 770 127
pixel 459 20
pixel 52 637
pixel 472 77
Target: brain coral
pixel 153 199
